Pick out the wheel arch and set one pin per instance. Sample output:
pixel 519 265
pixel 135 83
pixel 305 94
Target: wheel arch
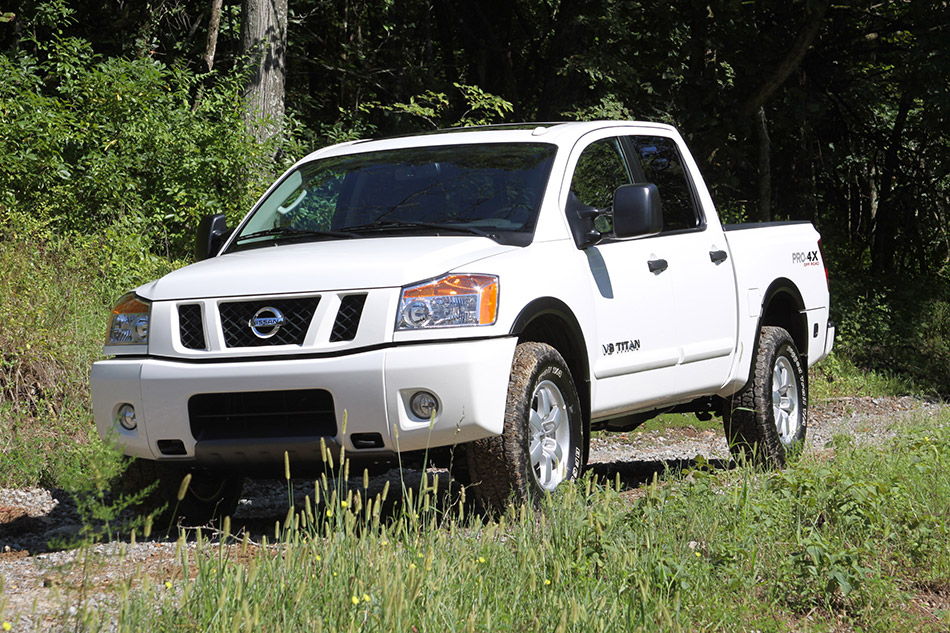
pixel 784 307
pixel 551 321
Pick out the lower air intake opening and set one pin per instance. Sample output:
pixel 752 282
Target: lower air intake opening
pixel 262 414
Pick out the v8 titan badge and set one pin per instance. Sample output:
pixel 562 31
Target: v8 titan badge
pixel 620 347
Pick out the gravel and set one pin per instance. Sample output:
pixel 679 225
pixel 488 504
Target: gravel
pixel 36 575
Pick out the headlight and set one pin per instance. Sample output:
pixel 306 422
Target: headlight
pixel 129 324
pixel 451 301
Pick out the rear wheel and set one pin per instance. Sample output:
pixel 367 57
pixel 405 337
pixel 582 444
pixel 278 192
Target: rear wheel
pixel 542 444
pixel 768 418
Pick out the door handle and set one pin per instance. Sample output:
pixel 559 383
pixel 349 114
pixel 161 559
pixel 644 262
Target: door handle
pixel 718 257
pixel 657 265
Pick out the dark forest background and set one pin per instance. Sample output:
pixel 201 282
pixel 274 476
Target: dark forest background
pixel 122 123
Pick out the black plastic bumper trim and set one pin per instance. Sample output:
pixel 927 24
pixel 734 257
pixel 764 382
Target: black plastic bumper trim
pixel 253 456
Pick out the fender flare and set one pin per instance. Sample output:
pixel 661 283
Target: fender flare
pixel 544 306
pixel 784 287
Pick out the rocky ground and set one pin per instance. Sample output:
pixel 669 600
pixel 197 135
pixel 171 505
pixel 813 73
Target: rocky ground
pixel 36 573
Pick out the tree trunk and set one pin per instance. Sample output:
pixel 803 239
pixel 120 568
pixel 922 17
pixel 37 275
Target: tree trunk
pixel 765 166
pixel 213 26
pixel 558 92
pixel 485 30
pixel 700 89
pixel 774 79
pixel 264 41
pixel 887 220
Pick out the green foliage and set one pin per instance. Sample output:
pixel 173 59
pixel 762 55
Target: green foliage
pixel 892 327
pixel 482 108
pixel 933 342
pixel 863 516
pixel 90 143
pixel 821 573
pixel 838 376
pixel 52 322
pixel 428 106
pixel 608 108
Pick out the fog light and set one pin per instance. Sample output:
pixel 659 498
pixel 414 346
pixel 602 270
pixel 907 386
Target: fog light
pixel 423 404
pixel 126 417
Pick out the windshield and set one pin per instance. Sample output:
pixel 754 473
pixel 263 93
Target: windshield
pixel 493 190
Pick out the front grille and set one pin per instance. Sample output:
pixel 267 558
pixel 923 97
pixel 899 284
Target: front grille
pixel 262 414
pixel 190 328
pixel 348 318
pixel 236 321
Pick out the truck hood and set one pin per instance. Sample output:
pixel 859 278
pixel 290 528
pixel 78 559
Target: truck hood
pixel 323 266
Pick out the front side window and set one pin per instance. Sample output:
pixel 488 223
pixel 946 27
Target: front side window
pixel 493 190
pixel 600 169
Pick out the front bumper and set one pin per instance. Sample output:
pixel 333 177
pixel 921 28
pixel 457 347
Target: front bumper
pixel 370 389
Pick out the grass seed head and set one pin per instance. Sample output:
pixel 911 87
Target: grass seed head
pixel 183 488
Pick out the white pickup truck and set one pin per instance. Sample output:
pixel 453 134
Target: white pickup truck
pixel 505 290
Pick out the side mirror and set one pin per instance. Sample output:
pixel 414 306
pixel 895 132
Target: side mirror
pixel 212 232
pixel 580 218
pixel 637 210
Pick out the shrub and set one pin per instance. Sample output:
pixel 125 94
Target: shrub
pixel 55 296
pixel 88 143
pixel 894 327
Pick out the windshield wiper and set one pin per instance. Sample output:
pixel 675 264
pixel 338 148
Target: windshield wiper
pixel 387 225
pixel 289 232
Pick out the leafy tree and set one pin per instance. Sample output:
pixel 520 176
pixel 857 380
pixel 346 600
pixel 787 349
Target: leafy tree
pixel 90 142
pixel 795 109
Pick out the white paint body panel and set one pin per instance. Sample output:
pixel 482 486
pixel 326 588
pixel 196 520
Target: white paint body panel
pixel 694 325
pixel 469 378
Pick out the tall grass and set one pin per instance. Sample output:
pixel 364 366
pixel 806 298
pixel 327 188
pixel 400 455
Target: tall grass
pixel 838 376
pixel 841 543
pixel 56 293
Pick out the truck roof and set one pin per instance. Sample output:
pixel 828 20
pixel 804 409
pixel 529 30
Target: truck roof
pixel 558 133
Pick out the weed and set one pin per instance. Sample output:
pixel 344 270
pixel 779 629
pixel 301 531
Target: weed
pixel 821 545
pixel 49 336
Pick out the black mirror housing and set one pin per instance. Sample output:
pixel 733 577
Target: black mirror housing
pixel 580 218
pixel 212 232
pixel 637 211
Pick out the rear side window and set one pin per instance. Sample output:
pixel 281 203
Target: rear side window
pixel 663 166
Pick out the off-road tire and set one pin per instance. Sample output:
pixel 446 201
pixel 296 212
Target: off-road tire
pixel 765 422
pixel 209 495
pixel 542 413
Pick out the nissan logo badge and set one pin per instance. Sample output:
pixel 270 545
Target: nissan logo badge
pixel 266 322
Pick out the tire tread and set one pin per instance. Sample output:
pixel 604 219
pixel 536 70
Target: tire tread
pixel 499 466
pixel 748 421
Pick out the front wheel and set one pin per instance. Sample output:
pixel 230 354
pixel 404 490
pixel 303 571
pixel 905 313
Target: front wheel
pixel 767 419
pixel 542 443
